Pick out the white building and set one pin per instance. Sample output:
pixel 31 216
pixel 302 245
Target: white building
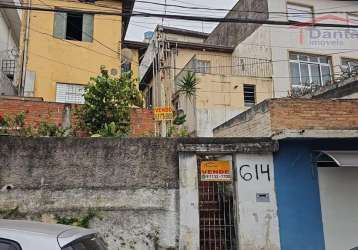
pixel 301 55
pixel 10 27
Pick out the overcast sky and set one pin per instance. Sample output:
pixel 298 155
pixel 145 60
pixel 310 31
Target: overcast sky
pixel 139 25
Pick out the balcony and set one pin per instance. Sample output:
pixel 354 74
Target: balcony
pixel 227 65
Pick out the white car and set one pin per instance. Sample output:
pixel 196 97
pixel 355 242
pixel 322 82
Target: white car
pixel 26 235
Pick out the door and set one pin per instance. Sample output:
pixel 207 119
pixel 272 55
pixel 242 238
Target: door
pixel 339 204
pixel 216 204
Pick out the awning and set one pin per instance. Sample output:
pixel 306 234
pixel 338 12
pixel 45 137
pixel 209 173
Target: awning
pixel 339 158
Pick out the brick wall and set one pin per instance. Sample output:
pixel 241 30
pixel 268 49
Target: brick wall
pixel 36 111
pixel 277 116
pixel 318 114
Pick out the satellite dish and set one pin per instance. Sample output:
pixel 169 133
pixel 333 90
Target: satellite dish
pixel 127 55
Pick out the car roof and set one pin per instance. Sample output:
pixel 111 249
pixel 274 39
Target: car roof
pixel 34 227
pixel 65 234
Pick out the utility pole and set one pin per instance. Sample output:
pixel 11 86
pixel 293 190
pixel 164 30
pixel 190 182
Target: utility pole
pixel 25 50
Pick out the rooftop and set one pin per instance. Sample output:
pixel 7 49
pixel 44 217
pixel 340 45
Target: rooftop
pixel 185 32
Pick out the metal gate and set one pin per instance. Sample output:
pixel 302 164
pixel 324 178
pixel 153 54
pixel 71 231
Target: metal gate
pixel 217 217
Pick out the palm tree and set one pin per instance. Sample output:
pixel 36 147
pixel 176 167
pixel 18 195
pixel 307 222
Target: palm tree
pixel 188 85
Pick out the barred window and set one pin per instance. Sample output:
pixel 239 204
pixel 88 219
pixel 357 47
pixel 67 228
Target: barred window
pixel 249 95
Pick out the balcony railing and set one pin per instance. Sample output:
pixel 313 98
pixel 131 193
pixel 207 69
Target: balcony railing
pixel 227 65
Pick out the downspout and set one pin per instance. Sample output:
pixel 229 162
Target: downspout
pixel 25 54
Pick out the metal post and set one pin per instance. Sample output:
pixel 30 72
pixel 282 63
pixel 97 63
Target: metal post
pixel 25 51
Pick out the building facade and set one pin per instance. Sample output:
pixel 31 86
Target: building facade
pixel 302 56
pixel 63 50
pixel 222 90
pixel 132 54
pixel 10 27
pixel 315 167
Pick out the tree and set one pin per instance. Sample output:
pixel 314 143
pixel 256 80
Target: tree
pixel 107 103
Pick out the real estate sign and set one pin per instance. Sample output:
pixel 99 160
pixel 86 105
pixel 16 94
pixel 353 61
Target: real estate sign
pixel 163 114
pixel 215 171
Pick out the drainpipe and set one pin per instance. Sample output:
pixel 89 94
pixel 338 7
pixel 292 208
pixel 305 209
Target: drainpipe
pixel 25 52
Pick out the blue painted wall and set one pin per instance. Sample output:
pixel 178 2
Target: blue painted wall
pixel 297 191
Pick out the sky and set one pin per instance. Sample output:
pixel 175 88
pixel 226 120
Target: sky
pixel 139 25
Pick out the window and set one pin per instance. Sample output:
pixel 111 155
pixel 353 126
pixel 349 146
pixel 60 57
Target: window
pixel 299 13
pixel 310 69
pixel 126 67
pixel 8 68
pixel 70 93
pixel 349 65
pixel 73 26
pixel 91 242
pixel 249 95
pixel 9 245
pixel 202 66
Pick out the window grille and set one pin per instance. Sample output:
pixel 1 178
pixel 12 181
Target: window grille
pixel 249 95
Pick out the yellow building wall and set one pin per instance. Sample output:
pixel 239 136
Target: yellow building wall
pixel 221 90
pixel 218 99
pixel 67 61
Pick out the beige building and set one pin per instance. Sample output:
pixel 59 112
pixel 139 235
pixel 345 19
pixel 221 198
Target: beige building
pixel 302 56
pixel 227 85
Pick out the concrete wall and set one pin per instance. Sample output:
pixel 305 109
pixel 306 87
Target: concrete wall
pixel 258 221
pixel 231 34
pixel 58 61
pixel 253 122
pixel 7 35
pixel 132 183
pixel 184 38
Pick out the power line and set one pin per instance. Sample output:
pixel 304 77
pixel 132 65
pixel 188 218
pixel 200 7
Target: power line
pixel 185 17
pixel 238 11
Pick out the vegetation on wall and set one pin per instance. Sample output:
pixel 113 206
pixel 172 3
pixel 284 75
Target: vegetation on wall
pixel 108 100
pixel 82 221
pixel 12 214
pixel 16 125
pixel 188 85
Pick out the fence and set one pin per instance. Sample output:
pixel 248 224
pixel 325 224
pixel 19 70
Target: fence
pixel 227 65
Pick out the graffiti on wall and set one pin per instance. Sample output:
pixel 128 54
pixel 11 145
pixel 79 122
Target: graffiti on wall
pixel 255 172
